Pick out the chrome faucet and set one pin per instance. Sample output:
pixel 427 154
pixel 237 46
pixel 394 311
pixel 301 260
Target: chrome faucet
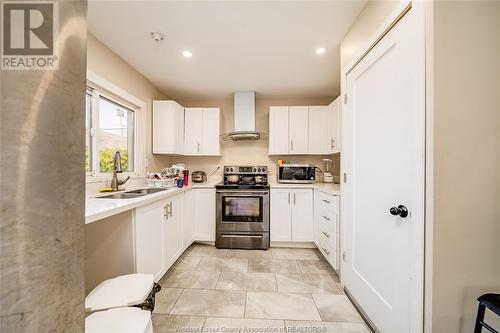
pixel 117 168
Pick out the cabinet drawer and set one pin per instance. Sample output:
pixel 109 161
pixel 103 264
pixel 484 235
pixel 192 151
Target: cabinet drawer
pixel 326 248
pixel 326 222
pixel 326 201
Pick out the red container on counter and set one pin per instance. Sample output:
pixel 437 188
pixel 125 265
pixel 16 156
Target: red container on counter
pixel 186 177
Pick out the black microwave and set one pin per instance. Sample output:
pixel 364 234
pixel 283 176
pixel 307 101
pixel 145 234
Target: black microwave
pixel 296 173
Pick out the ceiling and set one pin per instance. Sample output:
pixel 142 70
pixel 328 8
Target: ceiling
pixel 265 46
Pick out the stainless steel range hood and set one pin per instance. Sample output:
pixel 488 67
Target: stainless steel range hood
pixel 244 117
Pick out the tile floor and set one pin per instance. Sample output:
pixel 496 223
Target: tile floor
pixel 234 291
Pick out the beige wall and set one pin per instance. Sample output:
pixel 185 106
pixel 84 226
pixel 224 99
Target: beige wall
pixel 108 65
pixel 466 223
pixel 363 28
pixel 248 152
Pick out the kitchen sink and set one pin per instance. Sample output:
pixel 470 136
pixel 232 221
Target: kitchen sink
pixel 132 194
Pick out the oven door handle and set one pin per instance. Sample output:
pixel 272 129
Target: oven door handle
pixel 243 193
pixel 242 236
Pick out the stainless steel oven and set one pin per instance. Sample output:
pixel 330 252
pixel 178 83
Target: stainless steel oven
pixel 242 216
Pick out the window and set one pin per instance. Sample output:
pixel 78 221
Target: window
pixel 110 127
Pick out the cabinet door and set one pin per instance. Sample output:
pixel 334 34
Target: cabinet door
pixel 192 131
pixel 302 215
pixel 210 132
pixel 204 225
pixel 179 128
pixel 278 130
pixel 281 218
pixel 188 220
pixel 164 127
pixel 299 129
pixel 320 129
pixel 173 228
pixel 150 255
pixel 335 129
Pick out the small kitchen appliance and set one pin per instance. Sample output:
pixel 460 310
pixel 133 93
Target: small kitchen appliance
pixel 242 214
pixel 296 173
pixel 327 170
pixel 198 177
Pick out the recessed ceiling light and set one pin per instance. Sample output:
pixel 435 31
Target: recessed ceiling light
pixel 320 50
pixel 157 36
pixel 187 54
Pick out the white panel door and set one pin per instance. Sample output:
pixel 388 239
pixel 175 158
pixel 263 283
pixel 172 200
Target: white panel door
pixel 320 129
pixel 204 219
pixel 173 228
pixel 280 215
pixel 299 130
pixel 278 130
pixel 302 215
pixel 383 157
pixel 192 131
pixel 149 238
pixel 210 132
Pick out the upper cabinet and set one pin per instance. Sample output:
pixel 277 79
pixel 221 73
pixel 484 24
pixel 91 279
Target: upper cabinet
pixel 185 131
pixel 168 127
pixel 201 133
pixel 304 130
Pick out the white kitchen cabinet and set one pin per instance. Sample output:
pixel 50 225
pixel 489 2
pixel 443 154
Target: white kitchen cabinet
pixel 292 215
pixel 201 133
pixel 173 220
pixel 324 125
pixel 149 235
pixel 298 129
pixel 204 214
pixel 326 217
pixel 188 222
pixel 168 127
pixel 278 130
pixel 280 215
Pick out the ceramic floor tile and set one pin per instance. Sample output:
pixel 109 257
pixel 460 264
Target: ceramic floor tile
pixel 327 327
pixel 336 308
pixel 173 324
pixel 186 263
pixel 249 254
pixel 166 299
pixel 216 303
pixel 247 281
pixel 307 283
pixel 190 279
pixel 214 324
pixel 292 253
pixel 199 250
pixel 223 264
pixel 315 266
pixel 273 266
pixel 268 305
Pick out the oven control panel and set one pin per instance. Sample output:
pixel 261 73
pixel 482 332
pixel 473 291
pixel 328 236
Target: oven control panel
pixel 245 170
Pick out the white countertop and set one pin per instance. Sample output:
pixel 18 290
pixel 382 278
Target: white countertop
pixel 98 208
pixel 328 188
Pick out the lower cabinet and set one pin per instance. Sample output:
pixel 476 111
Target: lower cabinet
pixel 326 217
pixel 292 215
pixel 173 229
pixel 204 214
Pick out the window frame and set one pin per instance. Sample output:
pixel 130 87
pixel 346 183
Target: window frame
pixel 120 97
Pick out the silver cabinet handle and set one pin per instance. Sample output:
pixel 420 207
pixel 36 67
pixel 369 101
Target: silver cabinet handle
pixel 326 218
pixel 325 201
pixel 171 210
pixel 326 234
pixel 332 143
pixel 294 199
pixel 288 197
pixel 291 145
pixel 198 146
pixel 166 212
pixel 326 251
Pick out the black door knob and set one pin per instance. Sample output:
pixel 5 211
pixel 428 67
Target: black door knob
pixel 400 210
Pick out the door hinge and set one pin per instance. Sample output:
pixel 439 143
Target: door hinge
pixel 344 256
pixel 345 177
pixel 345 98
pixel 92 131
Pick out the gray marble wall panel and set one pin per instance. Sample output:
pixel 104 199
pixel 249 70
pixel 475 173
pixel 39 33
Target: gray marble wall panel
pixel 42 187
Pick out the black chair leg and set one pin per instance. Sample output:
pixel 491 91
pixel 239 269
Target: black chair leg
pixel 480 318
